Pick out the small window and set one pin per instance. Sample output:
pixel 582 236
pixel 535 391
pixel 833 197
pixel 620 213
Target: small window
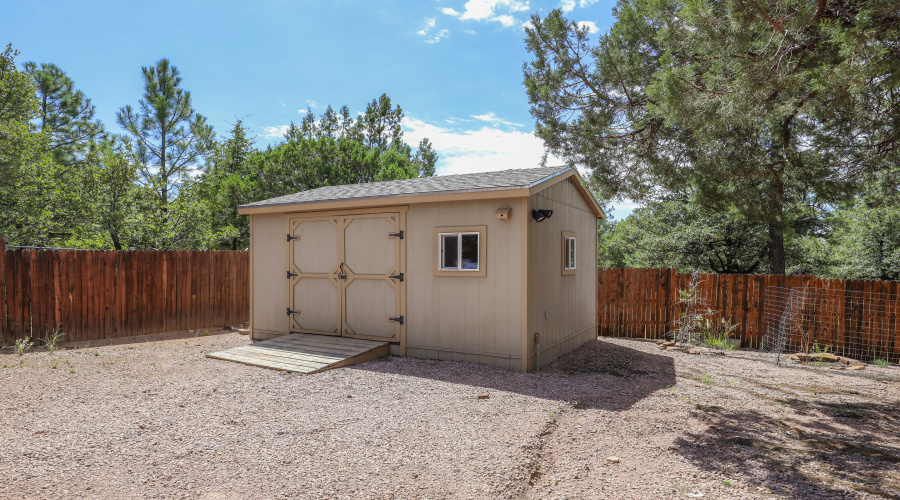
pixel 460 251
pixel 568 251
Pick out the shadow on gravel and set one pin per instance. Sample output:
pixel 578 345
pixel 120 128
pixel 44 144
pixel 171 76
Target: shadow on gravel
pixel 803 460
pixel 596 375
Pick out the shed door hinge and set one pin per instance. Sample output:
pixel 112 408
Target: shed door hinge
pixel 398 320
pixel 291 237
pixel 292 311
pixel 291 275
pixel 397 277
pixel 396 235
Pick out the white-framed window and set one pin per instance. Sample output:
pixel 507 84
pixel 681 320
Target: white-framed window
pixel 459 251
pixel 568 250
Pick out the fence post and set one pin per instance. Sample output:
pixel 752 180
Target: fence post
pixel 3 336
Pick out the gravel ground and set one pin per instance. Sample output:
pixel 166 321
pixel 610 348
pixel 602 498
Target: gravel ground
pixel 158 419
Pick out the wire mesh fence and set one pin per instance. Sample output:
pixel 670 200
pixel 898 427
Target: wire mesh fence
pixel 854 318
pixel 858 324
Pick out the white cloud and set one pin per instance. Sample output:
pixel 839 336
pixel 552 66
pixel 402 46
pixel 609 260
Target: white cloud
pixel 494 10
pixel 494 119
pixel 430 36
pixel 482 150
pixel 429 23
pixel 311 103
pixel 276 132
pixel 590 25
pixel 437 36
pixel 450 11
pixel 567 5
pixel 469 32
pixel 506 20
pixel 585 3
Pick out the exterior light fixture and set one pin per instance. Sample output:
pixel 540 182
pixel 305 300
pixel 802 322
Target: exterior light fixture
pixel 541 214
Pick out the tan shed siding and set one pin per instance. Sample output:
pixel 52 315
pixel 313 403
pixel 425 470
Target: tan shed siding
pixel 466 318
pixel 267 250
pixel 570 300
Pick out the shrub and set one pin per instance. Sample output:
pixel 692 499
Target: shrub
pixel 23 345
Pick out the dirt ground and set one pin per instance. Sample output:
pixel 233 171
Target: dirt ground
pixel 155 418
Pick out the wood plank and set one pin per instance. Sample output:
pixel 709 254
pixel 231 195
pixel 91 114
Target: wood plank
pixel 25 283
pixel 306 344
pixel 248 360
pixel 3 332
pixel 131 287
pixel 9 299
pixel 326 340
pixel 325 351
pixel 312 357
pixel 287 356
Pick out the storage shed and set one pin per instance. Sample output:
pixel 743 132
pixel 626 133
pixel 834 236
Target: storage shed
pixel 497 268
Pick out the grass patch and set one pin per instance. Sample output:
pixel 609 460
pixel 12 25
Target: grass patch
pixel 52 339
pixel 717 341
pixel 707 378
pixel 882 363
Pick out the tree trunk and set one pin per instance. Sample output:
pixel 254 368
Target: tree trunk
pixel 776 247
pixel 115 238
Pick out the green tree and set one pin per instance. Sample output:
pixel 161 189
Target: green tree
pixel 66 115
pixel 170 136
pixel 26 171
pixel 868 242
pixel 751 107
pixel 336 149
pixel 109 187
pixel 227 183
pixel 680 234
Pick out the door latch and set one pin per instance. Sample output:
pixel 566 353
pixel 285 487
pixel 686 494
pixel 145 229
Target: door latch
pixel 292 311
pixel 291 237
pixel 398 319
pixel 396 235
pixel 396 277
pixel 291 275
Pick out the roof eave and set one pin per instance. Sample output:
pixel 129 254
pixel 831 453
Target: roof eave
pixel 433 196
pixel 563 174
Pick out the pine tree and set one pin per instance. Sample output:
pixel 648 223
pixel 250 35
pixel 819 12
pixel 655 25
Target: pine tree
pixel 763 107
pixel 66 115
pixel 170 136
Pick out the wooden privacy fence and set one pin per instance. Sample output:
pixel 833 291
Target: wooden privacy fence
pixel 91 295
pixel 853 315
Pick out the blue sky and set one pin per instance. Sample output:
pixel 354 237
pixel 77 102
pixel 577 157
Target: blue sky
pixel 454 66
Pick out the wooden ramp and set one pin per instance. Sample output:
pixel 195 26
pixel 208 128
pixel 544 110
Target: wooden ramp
pixel 305 353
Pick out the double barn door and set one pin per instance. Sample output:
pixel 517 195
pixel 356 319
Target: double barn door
pixel 345 275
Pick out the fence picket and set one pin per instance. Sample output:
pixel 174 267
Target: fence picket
pixel 94 295
pixel 853 317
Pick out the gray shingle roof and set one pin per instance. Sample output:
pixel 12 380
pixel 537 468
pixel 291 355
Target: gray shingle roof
pixel 484 181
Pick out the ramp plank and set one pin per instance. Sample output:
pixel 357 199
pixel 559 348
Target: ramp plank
pixel 305 353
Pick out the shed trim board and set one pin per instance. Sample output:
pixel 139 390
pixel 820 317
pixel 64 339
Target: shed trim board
pixel 526 338
pixel 250 236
